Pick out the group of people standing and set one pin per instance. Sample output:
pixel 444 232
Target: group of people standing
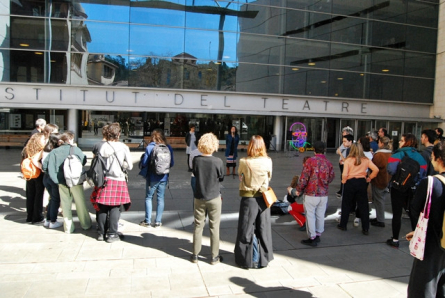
pixel 253 247
pixel 49 150
pixel 379 169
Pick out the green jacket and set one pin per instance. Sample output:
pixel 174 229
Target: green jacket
pixel 53 163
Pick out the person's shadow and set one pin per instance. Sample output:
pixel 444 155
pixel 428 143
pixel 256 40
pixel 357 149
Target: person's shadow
pixel 256 290
pixel 176 247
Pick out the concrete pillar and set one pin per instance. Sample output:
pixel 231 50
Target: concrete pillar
pixel 438 109
pixel 73 122
pixel 278 132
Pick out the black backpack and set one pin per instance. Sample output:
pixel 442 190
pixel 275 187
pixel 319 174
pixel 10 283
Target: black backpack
pixel 406 175
pixel 160 159
pixel 98 169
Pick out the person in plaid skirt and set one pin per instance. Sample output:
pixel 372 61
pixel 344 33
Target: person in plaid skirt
pixel 114 193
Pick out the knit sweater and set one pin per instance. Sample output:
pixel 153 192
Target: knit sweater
pixel 209 172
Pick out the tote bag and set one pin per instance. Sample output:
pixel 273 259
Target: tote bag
pixel 417 243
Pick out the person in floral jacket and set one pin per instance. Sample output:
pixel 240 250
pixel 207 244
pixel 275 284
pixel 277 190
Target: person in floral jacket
pixel 317 173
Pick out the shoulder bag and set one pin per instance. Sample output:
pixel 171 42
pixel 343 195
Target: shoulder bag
pixel 417 243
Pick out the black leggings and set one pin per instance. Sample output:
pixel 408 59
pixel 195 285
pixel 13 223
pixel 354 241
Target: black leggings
pixel 399 201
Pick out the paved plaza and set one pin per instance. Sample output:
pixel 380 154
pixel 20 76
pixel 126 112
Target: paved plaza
pixel 39 262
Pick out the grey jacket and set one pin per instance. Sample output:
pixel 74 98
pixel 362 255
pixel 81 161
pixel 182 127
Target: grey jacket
pixel 111 150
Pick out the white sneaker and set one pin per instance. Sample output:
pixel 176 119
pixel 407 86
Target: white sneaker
pixel 46 223
pixel 55 225
pixel 356 222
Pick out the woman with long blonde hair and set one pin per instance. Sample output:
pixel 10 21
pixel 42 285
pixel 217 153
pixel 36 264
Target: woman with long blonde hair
pixel 355 179
pixel 253 247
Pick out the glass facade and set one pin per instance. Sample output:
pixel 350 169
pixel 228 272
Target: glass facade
pixel 369 49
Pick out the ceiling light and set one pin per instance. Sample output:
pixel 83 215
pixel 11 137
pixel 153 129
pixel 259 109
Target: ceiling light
pixel 295 68
pixel 385 70
pixel 38 53
pixel 362 74
pixel 336 94
pixel 340 79
pixel 53 61
pixel 24 45
pixel 311 63
pixel 323 82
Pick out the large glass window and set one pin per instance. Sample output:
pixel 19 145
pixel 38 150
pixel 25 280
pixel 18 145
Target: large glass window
pixel 289 47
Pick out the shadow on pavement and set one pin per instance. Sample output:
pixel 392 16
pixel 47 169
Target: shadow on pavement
pixel 255 290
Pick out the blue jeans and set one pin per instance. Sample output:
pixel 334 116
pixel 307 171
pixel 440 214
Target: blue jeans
pixel 54 202
pixel 151 187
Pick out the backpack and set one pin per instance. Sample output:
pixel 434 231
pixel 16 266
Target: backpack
pixel 406 174
pixel 160 158
pixel 143 170
pixel 98 170
pixel 73 170
pixel 29 169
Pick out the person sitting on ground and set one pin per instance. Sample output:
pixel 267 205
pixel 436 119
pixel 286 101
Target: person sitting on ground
pixel 296 209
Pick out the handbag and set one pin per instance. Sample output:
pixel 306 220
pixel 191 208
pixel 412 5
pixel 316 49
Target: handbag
pixel 417 243
pixel 269 197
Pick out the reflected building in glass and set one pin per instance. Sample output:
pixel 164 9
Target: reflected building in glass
pixel 261 65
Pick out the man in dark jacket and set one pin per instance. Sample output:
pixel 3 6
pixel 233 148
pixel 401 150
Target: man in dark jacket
pixel 428 137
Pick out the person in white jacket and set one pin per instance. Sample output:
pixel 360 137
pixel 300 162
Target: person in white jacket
pixel 114 193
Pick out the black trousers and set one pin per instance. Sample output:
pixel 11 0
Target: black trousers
pixel 34 199
pixel 114 214
pixel 254 218
pixel 399 201
pixel 355 192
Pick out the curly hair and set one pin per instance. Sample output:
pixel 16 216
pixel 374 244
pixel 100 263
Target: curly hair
pixel 35 144
pixel 208 143
pixel 113 132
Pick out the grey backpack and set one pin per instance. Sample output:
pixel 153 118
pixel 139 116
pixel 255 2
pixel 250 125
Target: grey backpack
pixel 160 159
pixel 73 170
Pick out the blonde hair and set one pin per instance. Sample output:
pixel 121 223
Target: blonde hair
pixel 386 142
pixel 357 153
pixel 158 136
pixel 256 147
pixel 208 143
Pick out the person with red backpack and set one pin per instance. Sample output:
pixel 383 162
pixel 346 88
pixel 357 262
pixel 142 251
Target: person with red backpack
pixel 402 190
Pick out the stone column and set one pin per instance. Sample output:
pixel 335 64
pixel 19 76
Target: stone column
pixel 73 122
pixel 278 132
pixel 438 109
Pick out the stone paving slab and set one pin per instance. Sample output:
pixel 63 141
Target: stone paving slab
pixel 39 262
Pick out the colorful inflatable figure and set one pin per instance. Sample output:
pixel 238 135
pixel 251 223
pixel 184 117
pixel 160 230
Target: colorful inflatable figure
pixel 299 136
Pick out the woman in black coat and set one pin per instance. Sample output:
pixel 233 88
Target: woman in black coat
pixel 428 276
